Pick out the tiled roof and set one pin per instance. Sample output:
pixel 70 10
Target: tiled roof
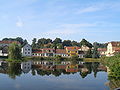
pixel 36 51
pixel 72 47
pixel 8 42
pixel 102 49
pixel 115 44
pixel 61 51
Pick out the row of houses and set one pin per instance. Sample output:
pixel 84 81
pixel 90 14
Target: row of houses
pixel 111 50
pixel 49 52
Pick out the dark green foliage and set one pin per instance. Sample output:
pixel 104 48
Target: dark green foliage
pixel 34 43
pixel 67 43
pixel 57 41
pixel 95 53
pixel 86 43
pixel 19 39
pixel 99 45
pixel 114 65
pixel 88 54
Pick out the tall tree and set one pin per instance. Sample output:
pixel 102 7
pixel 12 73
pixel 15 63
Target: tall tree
pixel 88 54
pixel 34 43
pixel 14 52
pixel 86 43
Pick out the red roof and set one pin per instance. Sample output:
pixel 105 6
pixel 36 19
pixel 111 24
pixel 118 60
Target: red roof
pixel 37 51
pixel 8 42
pixel 73 48
pixel 102 49
pixel 115 44
pixel 61 51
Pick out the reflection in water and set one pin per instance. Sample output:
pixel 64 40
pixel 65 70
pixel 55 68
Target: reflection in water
pixel 46 68
pixel 51 68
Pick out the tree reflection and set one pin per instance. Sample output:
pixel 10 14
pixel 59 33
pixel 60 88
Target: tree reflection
pixel 14 70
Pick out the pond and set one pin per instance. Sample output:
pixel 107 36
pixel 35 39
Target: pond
pixel 44 75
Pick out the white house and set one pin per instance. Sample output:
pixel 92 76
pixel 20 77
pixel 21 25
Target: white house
pixel 27 50
pixel 112 48
pixel 26 66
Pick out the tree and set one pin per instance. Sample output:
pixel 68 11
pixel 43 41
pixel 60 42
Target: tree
pixel 24 42
pixel 67 43
pixel 14 52
pixel 88 54
pixel 34 43
pixel 99 45
pixel 86 43
pixel 95 53
pixel 74 43
pixel 57 41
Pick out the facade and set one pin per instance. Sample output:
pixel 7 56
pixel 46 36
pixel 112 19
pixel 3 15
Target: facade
pixel 61 52
pixel 71 51
pixel 27 50
pixel 84 48
pixel 102 51
pixel 113 48
pixel 45 52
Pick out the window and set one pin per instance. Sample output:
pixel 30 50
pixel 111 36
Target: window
pixel 28 52
pixel 28 49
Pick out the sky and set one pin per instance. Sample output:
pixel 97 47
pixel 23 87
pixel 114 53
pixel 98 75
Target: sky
pixel 94 20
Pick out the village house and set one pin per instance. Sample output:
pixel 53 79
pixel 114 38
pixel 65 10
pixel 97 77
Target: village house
pixel 102 51
pixel 71 51
pixel 84 48
pixel 4 47
pixel 45 52
pixel 113 48
pixel 61 52
pixel 26 50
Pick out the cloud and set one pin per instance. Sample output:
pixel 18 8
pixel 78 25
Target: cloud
pixel 70 29
pixel 19 22
pixel 88 9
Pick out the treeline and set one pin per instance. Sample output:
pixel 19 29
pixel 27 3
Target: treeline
pixel 19 39
pixel 58 43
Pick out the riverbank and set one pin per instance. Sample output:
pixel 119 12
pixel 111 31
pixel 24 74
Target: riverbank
pixel 113 63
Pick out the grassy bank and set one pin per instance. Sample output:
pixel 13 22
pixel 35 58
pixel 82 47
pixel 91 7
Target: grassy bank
pixel 114 65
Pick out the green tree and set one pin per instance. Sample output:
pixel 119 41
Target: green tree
pixel 67 43
pixel 95 53
pixel 34 43
pixel 14 52
pixel 86 43
pixel 88 54
pixel 57 41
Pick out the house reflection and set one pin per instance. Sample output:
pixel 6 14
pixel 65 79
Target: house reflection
pixel 51 68
pixel 26 66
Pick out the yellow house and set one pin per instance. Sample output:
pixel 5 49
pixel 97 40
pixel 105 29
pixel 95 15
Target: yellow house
pixel 71 51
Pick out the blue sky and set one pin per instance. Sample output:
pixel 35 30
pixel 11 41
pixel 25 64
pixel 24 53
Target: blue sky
pixel 95 20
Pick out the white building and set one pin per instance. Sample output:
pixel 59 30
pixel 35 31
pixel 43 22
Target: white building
pixel 26 66
pixel 113 48
pixel 27 50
